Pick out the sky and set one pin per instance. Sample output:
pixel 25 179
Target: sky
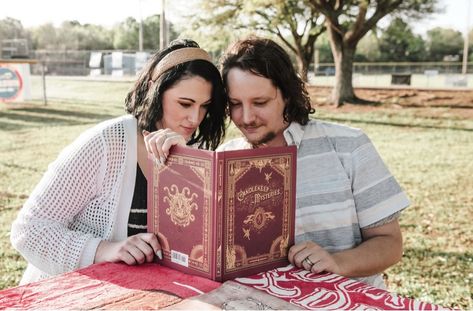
pixel 108 12
pixel 101 12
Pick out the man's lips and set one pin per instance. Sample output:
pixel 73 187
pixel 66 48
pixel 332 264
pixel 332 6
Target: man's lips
pixel 251 129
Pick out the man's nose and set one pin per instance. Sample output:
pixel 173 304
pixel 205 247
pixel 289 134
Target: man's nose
pixel 248 114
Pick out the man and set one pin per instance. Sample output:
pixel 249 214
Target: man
pixel 347 201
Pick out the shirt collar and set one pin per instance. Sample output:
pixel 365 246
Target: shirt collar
pixel 293 134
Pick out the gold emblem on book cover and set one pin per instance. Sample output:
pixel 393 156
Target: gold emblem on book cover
pixel 246 233
pixel 181 205
pixel 260 163
pixel 259 219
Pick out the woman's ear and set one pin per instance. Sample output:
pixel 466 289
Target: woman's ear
pixel 150 83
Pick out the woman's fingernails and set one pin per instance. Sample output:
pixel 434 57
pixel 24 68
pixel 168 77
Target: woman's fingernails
pixel 159 254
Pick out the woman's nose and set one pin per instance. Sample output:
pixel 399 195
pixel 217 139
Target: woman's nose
pixel 193 116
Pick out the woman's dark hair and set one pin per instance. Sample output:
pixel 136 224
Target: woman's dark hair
pixel 266 58
pixel 144 101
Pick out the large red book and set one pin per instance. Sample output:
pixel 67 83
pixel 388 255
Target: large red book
pixel 224 214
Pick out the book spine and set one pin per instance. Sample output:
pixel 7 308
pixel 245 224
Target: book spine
pixel 150 198
pixel 218 213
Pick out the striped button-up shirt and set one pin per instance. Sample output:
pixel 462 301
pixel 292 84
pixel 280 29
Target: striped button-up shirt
pixel 342 186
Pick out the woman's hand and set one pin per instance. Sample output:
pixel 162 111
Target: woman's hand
pixel 136 249
pixel 310 256
pixel 158 143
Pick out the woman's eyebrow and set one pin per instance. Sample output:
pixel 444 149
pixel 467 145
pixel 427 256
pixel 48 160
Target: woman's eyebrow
pixel 186 98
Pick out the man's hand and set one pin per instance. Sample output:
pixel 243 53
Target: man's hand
pixel 310 256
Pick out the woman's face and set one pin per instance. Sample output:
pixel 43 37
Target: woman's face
pixel 185 105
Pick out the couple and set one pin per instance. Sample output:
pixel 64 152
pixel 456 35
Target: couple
pixel 90 206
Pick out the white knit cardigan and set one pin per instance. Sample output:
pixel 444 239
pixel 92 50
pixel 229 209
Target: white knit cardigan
pixel 82 199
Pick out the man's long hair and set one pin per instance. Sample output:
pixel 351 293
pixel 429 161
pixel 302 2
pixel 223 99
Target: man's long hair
pixel 266 58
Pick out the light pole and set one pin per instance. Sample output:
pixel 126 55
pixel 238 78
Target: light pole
pixel 466 41
pixel 162 27
pixel 140 30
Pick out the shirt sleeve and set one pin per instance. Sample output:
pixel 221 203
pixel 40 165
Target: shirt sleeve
pixel 376 192
pixel 43 231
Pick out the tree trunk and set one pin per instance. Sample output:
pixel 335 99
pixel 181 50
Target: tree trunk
pixel 343 57
pixel 303 66
pixel 343 88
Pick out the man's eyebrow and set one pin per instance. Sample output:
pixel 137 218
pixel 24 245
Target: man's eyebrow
pixel 256 97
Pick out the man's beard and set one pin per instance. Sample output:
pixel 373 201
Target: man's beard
pixel 264 140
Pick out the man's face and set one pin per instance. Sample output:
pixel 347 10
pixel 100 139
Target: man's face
pixel 256 108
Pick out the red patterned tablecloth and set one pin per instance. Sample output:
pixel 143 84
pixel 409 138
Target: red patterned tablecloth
pixel 108 286
pixel 329 291
pixel 152 286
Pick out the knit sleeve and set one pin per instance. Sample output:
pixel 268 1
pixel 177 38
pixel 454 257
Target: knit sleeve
pixel 41 232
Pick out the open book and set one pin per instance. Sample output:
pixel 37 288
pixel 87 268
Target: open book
pixel 224 214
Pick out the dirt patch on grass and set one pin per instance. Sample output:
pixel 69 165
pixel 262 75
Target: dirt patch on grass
pixel 458 103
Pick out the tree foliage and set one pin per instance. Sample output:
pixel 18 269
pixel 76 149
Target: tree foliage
pixel 11 28
pixel 72 35
pixel 398 43
pixel 45 37
pixel 293 22
pixel 368 48
pixel 126 35
pixel 442 42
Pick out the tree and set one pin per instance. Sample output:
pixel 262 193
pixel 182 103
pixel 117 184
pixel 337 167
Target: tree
pixel 398 43
pixel 74 36
pixel 126 35
pixel 368 48
pixel 293 22
pixel 45 37
pixel 348 21
pixel 11 28
pixel 151 27
pixel 442 42
pixel 323 46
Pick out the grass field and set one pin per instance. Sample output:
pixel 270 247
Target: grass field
pixel 430 156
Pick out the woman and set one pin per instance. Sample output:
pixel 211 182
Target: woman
pixel 90 206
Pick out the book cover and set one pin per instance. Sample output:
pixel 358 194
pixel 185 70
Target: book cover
pixel 224 214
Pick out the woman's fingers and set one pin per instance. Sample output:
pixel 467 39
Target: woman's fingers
pixel 153 246
pixel 136 253
pixel 160 142
pixel 136 249
pixel 171 140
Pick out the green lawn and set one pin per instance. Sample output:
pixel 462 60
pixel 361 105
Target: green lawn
pixel 430 154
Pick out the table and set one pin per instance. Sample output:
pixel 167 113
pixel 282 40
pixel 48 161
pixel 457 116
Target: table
pixel 152 286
